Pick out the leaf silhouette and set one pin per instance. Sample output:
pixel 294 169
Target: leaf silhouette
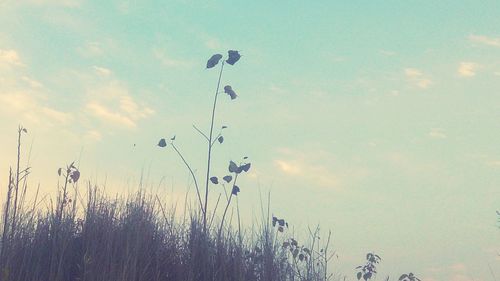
pixel 172 138
pixel 75 175
pixel 228 178
pixel 162 143
pixel 24 130
pixel 220 139
pixel 229 90
pixel 245 167
pixel 235 191
pixel 214 180
pixel 233 168
pixel 59 171
pixel 214 60
pixel 233 57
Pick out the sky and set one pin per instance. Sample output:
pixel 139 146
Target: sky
pixel 378 120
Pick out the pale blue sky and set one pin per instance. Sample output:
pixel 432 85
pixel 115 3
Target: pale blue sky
pixel 377 119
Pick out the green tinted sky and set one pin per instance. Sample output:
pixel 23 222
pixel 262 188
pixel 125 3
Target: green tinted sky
pixel 379 120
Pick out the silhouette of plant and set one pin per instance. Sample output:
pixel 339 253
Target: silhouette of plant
pixel 369 269
pixel 212 139
pixel 408 277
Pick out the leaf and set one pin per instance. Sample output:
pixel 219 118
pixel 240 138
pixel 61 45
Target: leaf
pixel 235 191
pixel 214 180
pixel 246 157
pixel 359 275
pixel 245 167
pixel 24 130
pixel 172 138
pixel 301 257
pixel 162 143
pixel 214 60
pixel 229 90
pixel 224 127
pixel 59 171
pixel 281 222
pixel 220 139
pixel 75 175
pixel 228 178
pixel 233 57
pixel 367 275
pixel 233 168
pixel 280 228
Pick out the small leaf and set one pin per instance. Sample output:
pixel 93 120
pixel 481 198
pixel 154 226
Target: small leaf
pixel 75 175
pixel 246 157
pixel 281 222
pixel 229 90
pixel 172 138
pixel 224 127
pixel 214 60
pixel 367 275
pixel 220 139
pixel 301 257
pixel 233 168
pixel 24 130
pixel 359 275
pixel 59 171
pixel 245 167
pixel 162 143
pixel 280 228
pixel 233 57
pixel 228 178
pixel 235 191
pixel 214 180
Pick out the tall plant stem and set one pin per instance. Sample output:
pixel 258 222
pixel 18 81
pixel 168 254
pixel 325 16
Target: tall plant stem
pixel 17 178
pixel 209 158
pixel 227 206
pixel 203 210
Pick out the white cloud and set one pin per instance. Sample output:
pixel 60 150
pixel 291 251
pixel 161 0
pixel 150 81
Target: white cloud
pixel 167 60
pixel 417 78
pixel 485 40
pixel 306 167
pixel 437 133
pixel 102 71
pixel 9 58
pixel 467 69
pixel 112 103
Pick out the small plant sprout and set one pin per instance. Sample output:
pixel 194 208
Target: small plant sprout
pixel 370 268
pixel 212 139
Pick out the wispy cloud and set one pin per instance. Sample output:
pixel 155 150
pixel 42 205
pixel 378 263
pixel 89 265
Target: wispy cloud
pixel 9 58
pixel 417 78
pixel 167 60
pixel 485 40
pixel 102 71
pixel 467 69
pixel 304 167
pixel 114 104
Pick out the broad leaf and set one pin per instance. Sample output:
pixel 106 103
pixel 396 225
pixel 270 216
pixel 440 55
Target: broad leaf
pixel 245 167
pixel 214 180
pixel 233 57
pixel 228 90
pixel 233 168
pixel 214 60
pixel 228 178
pixel 220 139
pixel 235 191
pixel 162 143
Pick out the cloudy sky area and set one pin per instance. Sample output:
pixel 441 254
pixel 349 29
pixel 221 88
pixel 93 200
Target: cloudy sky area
pixel 380 120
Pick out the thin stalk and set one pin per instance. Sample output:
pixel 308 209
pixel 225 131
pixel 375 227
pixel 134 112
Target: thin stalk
pixel 203 210
pixel 227 206
pixel 20 130
pixel 209 158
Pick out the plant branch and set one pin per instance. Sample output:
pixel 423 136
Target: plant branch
pixel 192 175
pixel 199 131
